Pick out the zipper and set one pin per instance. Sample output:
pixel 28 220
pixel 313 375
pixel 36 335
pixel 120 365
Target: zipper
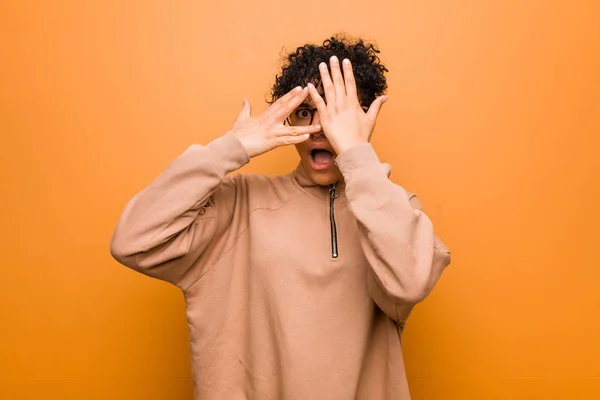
pixel 334 243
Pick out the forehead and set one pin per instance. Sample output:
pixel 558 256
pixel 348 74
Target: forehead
pixel 308 102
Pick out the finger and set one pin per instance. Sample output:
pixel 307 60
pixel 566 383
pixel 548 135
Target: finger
pixel 298 130
pixel 350 81
pixel 244 114
pixel 337 78
pixel 317 99
pixel 282 103
pixel 286 97
pixel 375 108
pixel 327 84
pixel 285 109
pixel 287 140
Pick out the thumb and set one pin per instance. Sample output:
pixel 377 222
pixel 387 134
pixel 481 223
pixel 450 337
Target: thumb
pixel 375 108
pixel 244 114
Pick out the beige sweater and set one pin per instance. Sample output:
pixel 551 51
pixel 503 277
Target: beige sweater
pixel 285 297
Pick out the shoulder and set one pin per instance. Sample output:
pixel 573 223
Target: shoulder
pixel 265 191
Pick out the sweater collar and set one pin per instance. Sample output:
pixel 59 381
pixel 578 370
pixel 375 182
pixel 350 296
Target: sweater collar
pixel 301 179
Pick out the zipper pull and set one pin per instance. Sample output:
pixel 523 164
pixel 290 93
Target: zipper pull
pixel 332 225
pixel 333 192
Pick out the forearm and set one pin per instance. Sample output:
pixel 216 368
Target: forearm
pixel 174 199
pixel 405 256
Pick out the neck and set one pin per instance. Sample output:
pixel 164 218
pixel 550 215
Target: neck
pixel 313 188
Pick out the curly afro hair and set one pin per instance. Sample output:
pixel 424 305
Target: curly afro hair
pixel 302 67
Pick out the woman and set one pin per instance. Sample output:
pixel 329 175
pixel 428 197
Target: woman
pixel 296 286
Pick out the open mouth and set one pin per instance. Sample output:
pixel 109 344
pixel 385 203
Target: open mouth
pixel 321 158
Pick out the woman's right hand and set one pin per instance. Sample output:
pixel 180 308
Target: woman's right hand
pixel 266 131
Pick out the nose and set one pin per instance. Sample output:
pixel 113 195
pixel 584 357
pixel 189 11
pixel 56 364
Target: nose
pixel 316 121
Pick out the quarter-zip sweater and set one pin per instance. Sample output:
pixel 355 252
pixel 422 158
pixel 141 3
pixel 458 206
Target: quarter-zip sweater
pixel 292 290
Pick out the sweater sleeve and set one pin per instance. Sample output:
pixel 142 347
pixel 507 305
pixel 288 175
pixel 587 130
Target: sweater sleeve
pixel 182 222
pixel 406 258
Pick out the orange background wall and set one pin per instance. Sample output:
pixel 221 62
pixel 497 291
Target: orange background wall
pixel 492 119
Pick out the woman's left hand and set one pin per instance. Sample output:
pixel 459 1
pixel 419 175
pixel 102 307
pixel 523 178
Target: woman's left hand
pixel 344 122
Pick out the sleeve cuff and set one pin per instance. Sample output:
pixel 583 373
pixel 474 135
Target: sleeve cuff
pixel 360 162
pixel 228 153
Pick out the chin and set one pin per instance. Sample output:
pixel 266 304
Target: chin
pixel 323 178
pixel 323 181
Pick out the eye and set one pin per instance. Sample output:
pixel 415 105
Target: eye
pixel 303 113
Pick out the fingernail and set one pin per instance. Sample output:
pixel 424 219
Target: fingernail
pixel 305 88
pixel 297 88
pixel 346 61
pixel 384 99
pixel 334 59
pixel 323 65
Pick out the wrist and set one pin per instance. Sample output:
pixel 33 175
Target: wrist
pixel 244 143
pixel 362 170
pixel 359 157
pixel 229 152
pixel 348 145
